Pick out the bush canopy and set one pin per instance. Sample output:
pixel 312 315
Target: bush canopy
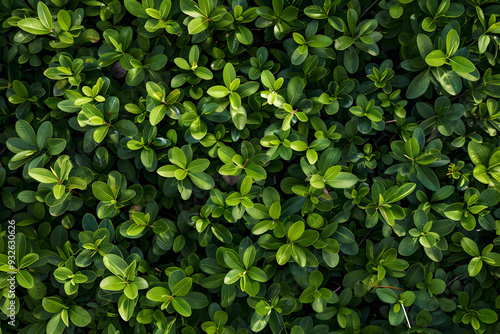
pixel 235 167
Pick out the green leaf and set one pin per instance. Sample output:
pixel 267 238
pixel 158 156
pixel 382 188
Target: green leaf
pixel 320 41
pixel 25 131
pixel 232 260
pixel 315 12
pixel 158 294
pixel 61 274
pixel 283 254
pixel 113 283
pixel 203 73
pixel 316 279
pixel 317 181
pixel 387 215
pixel 429 24
pixel 136 9
pixel 296 231
pixel 181 306
pixel 198 165
pixel 28 260
pixel 55 325
pixel 343 42
pixel 408 246
pixel 103 192
pixel 403 191
pixel 249 257
pixel 44 15
pixel 198 25
pixel 53 304
pixel 419 85
pixel 55 146
pixel 256 172
pixel 157 114
pixel 228 74
pixel 126 307
pixel 469 246
pixel 233 276
pixel 198 129
pixel 218 91
pixel 412 148
pixel 298 146
pixel 449 80
pixel 244 35
pixel 257 274
pixel 25 279
pixel 478 153
pixel 483 42
pixel 424 44
pixel 167 170
pixel 387 295
pixel 454 211
pixel 343 180
pixel 177 157
pixel 93 114
pixel 436 58
pixel 351 60
pixel 427 177
pixel 462 65
pixel 396 11
pixel 182 287
pixel 115 264
pixel 79 316
pixel 190 8
pixel 488 316
pixel 44 133
pixel 33 26
pixel 437 286
pixel 125 127
pixel 202 180
pixel 100 133
pixel 43 175
pixel 475 266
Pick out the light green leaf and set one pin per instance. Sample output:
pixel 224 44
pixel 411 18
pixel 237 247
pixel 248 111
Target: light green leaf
pixel 44 15
pixel 33 26
pixel 436 58
pixel 43 175
pixel 181 306
pixel 462 65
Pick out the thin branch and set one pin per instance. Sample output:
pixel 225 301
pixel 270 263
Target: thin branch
pixel 406 316
pixel 453 280
pixel 368 9
pixel 3 151
pixel 366 236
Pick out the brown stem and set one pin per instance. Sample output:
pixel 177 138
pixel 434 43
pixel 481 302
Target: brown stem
pixel 366 236
pixel 453 280
pixel 390 287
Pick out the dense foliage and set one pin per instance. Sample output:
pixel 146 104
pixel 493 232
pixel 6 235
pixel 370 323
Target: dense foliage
pixel 284 166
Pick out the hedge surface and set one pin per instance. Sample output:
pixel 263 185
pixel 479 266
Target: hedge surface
pixel 179 166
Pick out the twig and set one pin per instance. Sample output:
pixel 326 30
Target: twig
pixel 458 96
pixel 386 286
pixel 3 150
pixel 366 236
pixel 453 280
pixel 406 316
pixel 368 9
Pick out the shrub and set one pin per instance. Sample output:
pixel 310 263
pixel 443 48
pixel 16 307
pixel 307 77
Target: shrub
pixel 180 166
